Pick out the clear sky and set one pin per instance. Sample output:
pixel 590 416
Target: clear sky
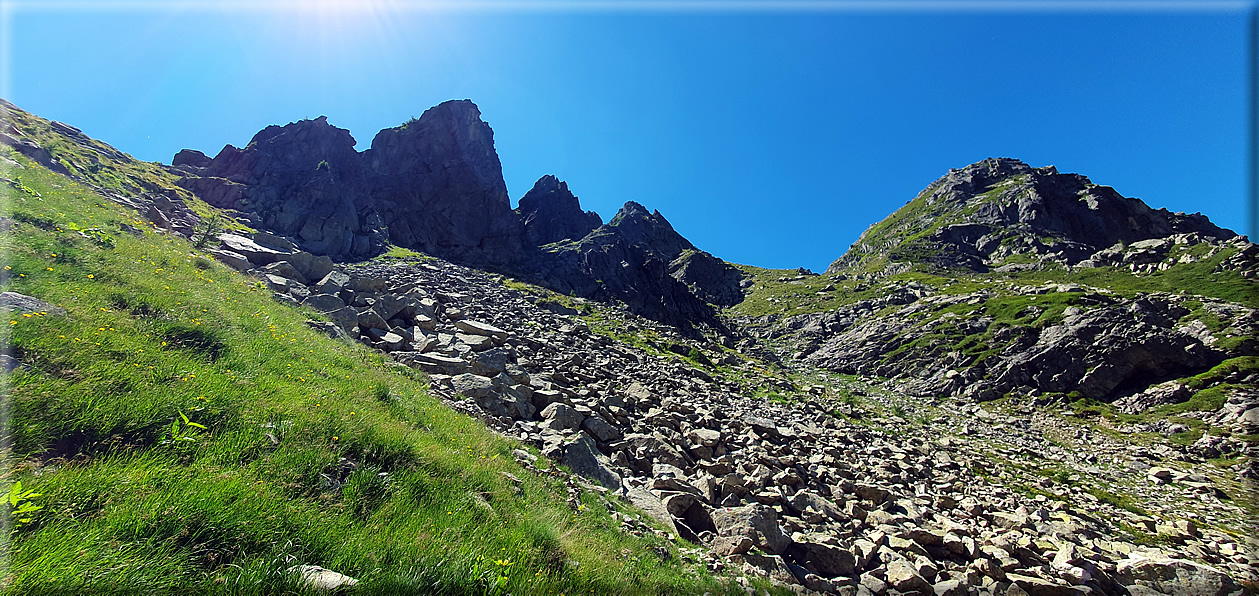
pixel 768 134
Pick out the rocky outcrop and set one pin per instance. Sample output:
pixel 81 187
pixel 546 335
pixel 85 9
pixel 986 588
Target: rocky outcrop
pixel 438 186
pixel 710 279
pixel 1064 339
pixel 303 180
pixel 649 231
pixel 550 213
pixel 434 184
pixel 981 215
pixel 190 160
pixel 626 260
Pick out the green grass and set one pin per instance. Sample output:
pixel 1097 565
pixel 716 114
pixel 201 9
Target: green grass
pixel 1195 279
pixel 94 163
pixel 398 253
pixel 1121 501
pixel 314 451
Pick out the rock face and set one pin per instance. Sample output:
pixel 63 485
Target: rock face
pixel 550 213
pixel 303 180
pixel 438 186
pixel 1063 339
pixel 628 260
pixel 981 215
pixel 435 185
pixel 710 279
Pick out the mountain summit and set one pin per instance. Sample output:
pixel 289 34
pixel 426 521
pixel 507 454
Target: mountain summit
pixel 1002 211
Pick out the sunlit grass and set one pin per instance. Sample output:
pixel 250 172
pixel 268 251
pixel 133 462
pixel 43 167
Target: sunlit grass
pixel 313 451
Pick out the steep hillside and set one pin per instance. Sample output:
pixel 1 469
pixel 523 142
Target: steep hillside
pixel 175 429
pixel 1000 278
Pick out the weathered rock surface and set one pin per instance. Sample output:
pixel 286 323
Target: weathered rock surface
pixel 628 260
pixel 436 185
pixel 550 213
pixel 1101 346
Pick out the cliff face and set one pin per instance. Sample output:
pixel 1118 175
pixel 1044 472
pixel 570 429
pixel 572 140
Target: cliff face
pixel 629 259
pixel 438 186
pixel 435 185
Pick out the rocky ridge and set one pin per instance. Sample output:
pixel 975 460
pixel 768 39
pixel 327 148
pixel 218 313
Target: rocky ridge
pixel 1002 279
pixel 435 185
pixel 1035 339
pixel 997 210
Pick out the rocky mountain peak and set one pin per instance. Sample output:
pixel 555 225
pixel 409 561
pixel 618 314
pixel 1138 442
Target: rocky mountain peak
pixel 551 213
pixel 998 209
pixel 438 185
pixel 652 230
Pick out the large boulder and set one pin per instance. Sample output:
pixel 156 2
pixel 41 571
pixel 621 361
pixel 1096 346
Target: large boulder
pixel 582 456
pixel 1174 577
pixel 757 522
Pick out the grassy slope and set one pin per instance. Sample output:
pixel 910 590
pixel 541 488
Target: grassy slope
pixel 154 330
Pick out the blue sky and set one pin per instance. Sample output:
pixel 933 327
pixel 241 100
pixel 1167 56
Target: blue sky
pixel 767 136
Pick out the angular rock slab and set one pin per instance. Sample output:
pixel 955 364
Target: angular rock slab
pixel 319 579
pixel 756 521
pixel 583 458
pixel 1174 577
pixel 27 304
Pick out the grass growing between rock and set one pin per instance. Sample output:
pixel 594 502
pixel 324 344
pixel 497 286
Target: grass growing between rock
pixel 188 434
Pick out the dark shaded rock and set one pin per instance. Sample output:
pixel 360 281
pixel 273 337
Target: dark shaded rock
pixel 190 157
pixel 303 180
pixel 710 279
pixel 626 260
pixel 438 186
pixel 550 213
pixel 1104 351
